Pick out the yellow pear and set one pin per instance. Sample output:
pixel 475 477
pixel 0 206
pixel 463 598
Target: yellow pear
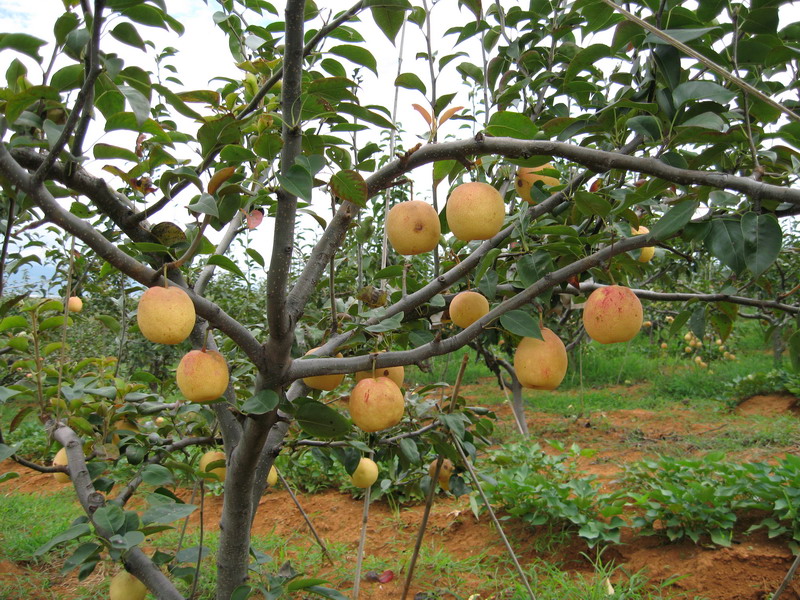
pixel 125 586
pixel 376 404
pixel 612 314
pixel 475 211
pixel 165 315
pixel 445 471
pixel 74 304
pixel 528 176
pixel 366 473
pixel 413 227
pixel 648 252
pixel 272 476
pixel 60 460
pixel 541 364
pixel 202 375
pixel 324 382
pixel 468 307
pixel 210 457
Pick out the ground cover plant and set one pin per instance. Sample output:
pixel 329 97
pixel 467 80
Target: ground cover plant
pixel 653 160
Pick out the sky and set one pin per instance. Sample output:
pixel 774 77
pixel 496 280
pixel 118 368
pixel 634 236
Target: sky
pixel 202 55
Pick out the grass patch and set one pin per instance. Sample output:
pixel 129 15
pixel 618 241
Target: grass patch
pixel 28 521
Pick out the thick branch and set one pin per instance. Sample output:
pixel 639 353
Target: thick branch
pixel 136 561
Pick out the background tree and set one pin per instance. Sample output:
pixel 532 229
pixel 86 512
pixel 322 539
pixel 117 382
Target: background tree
pixel 676 119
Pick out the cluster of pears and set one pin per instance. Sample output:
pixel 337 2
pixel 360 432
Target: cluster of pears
pixel 166 315
pixel 612 314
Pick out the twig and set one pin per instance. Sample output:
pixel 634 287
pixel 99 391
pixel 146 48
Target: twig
pixel 305 516
pixel 4 253
pixel 196 579
pixel 495 520
pixel 432 490
pixel 722 72
pixel 362 542
pixel 788 579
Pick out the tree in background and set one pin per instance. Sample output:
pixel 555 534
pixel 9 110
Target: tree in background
pixel 663 128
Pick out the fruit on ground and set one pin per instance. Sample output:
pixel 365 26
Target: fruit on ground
pixel 647 253
pixel 475 211
pixel 60 460
pixel 272 476
pixel 323 382
pixel 528 176
pixel 202 375
pixel 74 304
pixel 125 586
pixel 376 404
pixel 612 314
pixel 213 456
pixel 541 364
pixel 396 374
pixel 413 227
pixel 366 473
pixel 445 471
pixel 468 307
pixel 165 315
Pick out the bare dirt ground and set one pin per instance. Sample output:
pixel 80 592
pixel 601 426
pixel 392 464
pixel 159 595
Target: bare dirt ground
pixel 749 570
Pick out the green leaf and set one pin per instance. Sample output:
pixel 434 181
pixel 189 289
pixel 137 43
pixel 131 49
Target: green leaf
pixel 390 271
pixel 64 24
pixel 674 220
pixel 205 204
pixel 682 35
pixel 167 512
pixel 455 423
pixel 762 241
pixel 157 475
pixel 22 43
pixel 127 34
pixel 15 322
pixel 68 78
pixel 179 105
pixel 505 123
pixel 389 15
pixel 697 322
pixel 109 517
pixel 592 204
pixel 726 242
pixel 532 267
pixel 263 402
pixel 220 131
pixel 645 125
pixel 701 90
pixel 389 324
pixel 138 102
pixel 70 534
pixel 108 152
pixel 319 420
pixel 6 451
pixel 52 322
pixel 357 54
pixel 298 182
pixel 521 323
pixel 486 262
pixel 350 186
pixel 225 263
pixel 410 81
pixel 409 450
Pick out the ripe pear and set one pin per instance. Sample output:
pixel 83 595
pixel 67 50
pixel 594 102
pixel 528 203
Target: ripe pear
pixel 396 374
pixel 445 471
pixel 376 404
pixel 413 227
pixel 60 460
pixel 165 315
pixel 648 252
pixel 467 307
pixel 475 211
pixel 541 364
pixel 125 586
pixel 366 473
pixel 528 176
pixel 210 457
pixel 324 382
pixel 272 476
pixel 74 304
pixel 612 314
pixel 202 375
